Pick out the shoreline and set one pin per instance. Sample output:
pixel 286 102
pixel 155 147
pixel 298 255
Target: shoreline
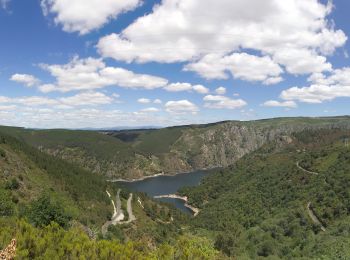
pixel 139 179
pixel 161 174
pixel 183 198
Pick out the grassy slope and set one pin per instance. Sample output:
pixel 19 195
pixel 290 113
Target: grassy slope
pixel 259 205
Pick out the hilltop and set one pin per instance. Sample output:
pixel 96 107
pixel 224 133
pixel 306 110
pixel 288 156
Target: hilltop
pixel 131 154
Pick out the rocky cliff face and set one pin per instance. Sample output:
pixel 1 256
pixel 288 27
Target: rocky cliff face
pixel 197 148
pixel 223 144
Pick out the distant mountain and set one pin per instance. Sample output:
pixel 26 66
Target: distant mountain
pixel 119 128
pixel 136 153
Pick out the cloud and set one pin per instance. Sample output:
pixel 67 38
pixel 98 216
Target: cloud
pixel 147 101
pixel 79 118
pixel 322 88
pixel 181 107
pixel 177 87
pixel 302 61
pixel 89 98
pixel 26 79
pixel 46 88
pixel 291 35
pixel 144 100
pixel 91 73
pixel 200 89
pixel 84 16
pixel 336 77
pixel 222 102
pixel 220 91
pixel 149 110
pixel 29 101
pixel 241 65
pixel 274 103
pixel 315 93
pixel 8 108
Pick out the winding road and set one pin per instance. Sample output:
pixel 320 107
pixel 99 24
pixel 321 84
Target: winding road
pixel 314 217
pixel 309 209
pixel 307 171
pixel 118 214
pixel 129 209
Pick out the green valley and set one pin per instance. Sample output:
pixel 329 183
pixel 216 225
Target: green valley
pixel 133 154
pixel 280 191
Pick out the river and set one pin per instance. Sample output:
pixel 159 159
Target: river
pixel 163 185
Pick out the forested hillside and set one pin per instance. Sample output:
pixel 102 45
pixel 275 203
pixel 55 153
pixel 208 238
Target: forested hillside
pixel 55 210
pixel 289 199
pixel 136 153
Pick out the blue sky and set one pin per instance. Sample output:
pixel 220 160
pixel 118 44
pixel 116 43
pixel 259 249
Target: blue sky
pixel 78 63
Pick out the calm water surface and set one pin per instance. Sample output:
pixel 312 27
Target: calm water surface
pixel 162 185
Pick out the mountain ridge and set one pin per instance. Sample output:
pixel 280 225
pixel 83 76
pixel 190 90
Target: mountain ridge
pixel 133 154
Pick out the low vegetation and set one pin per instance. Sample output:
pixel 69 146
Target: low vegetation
pixel 258 207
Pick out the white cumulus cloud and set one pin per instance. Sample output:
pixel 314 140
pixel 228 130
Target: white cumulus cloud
pixel 275 103
pixel 181 107
pixel 241 65
pixel 91 73
pixel 290 35
pixel 26 79
pixel 149 110
pixel 315 93
pixel 84 16
pixel 177 87
pixel 89 98
pixel 322 88
pixel 223 102
pixel 144 100
pixel 157 101
pixel 220 91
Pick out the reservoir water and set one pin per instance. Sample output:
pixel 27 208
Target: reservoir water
pixel 163 185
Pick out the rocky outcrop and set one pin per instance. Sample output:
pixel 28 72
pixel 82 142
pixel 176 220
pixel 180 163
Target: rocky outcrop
pixel 225 143
pixel 202 147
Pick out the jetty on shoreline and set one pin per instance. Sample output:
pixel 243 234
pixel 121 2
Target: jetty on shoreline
pixel 183 198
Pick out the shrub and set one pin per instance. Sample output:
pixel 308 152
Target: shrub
pixel 12 184
pixel 2 153
pixel 45 210
pixel 7 208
